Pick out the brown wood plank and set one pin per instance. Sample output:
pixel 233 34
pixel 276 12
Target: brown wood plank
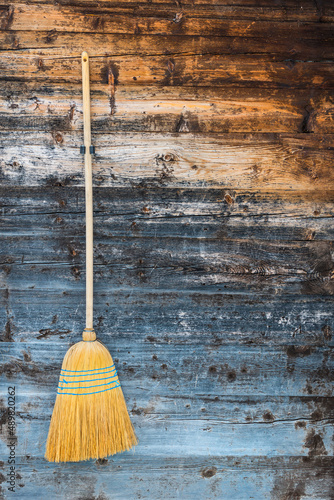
pixel 104 19
pixel 168 109
pixel 288 10
pixel 163 70
pixel 308 11
pixel 315 45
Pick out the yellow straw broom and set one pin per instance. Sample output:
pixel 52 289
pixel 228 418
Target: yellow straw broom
pixel 90 417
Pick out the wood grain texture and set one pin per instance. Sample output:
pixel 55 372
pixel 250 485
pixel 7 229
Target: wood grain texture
pixel 167 109
pixel 264 10
pixel 213 208
pixel 311 41
pixel 300 162
pixel 239 478
pixel 175 391
pixel 114 19
pixel 202 70
pixel 141 212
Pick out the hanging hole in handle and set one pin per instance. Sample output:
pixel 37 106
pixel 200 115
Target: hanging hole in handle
pixel 85 59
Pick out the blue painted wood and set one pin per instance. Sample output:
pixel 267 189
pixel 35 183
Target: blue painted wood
pixel 161 314
pixel 162 437
pixel 188 364
pixel 187 213
pixel 237 355
pixel 228 367
pixel 171 400
pixel 127 476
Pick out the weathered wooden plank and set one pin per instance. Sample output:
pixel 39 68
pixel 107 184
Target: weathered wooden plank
pixel 156 260
pixel 282 415
pixel 301 162
pixel 196 259
pixel 160 437
pixel 128 477
pixel 36 403
pixel 191 366
pixel 163 113
pixel 200 213
pixel 170 109
pixel 307 43
pixel 154 19
pixel 237 9
pixel 286 98
pixel 148 204
pixel 164 202
pixel 242 313
pixel 160 225
pixel 266 10
pixel 201 70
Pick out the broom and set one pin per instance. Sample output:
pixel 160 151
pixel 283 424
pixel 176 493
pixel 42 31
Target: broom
pixel 90 417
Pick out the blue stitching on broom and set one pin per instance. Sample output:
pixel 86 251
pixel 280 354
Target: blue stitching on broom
pixel 82 381
pixel 87 375
pixel 89 386
pixel 87 393
pixel 92 370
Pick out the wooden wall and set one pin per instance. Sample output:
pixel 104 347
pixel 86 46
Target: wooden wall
pixel 213 123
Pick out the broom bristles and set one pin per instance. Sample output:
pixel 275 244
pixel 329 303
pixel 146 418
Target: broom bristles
pixel 90 418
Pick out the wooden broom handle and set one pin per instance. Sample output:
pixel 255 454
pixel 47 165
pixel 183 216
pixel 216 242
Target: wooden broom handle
pixel 88 190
